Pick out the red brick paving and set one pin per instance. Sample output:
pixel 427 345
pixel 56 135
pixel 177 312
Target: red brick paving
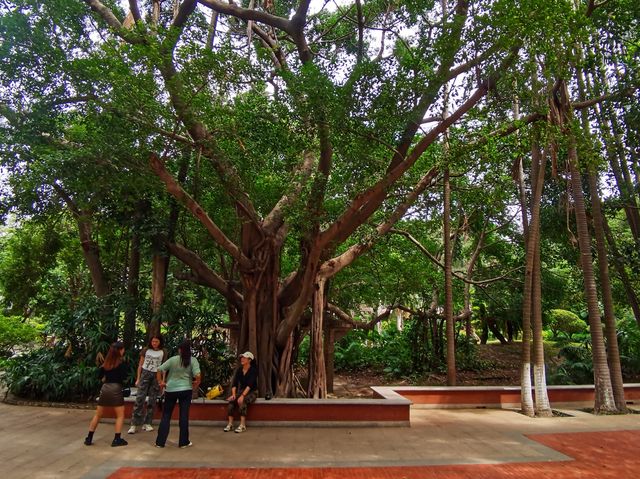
pixel 599 455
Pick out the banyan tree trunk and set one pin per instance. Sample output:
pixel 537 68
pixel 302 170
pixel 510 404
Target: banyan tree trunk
pixel 317 370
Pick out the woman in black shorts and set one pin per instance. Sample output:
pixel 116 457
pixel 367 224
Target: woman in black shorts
pixel 113 374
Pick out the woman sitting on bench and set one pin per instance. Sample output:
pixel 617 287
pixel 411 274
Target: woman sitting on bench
pixel 244 391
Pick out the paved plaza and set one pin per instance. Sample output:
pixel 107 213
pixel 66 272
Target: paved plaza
pixel 46 442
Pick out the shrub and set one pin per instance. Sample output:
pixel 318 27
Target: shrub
pixel 396 354
pixel 386 351
pixel 629 345
pixel 14 332
pixel 575 367
pixel 52 375
pixel 563 321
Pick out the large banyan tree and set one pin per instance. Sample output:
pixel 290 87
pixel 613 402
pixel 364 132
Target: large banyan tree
pixel 340 101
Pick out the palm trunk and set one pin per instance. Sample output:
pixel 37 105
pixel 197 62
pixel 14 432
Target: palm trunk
pixel 604 400
pixel 543 407
pixel 613 354
pixel 538 162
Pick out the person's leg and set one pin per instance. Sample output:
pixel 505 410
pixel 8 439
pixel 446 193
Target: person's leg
pixel 119 418
pixel 137 418
pixel 153 391
pixel 230 412
pixel 93 425
pixel 250 398
pixel 138 408
pixel 185 405
pixel 165 422
pixel 117 440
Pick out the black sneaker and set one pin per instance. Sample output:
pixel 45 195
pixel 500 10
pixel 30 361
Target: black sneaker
pixel 87 441
pixel 118 441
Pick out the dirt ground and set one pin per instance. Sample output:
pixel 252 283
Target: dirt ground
pixel 503 370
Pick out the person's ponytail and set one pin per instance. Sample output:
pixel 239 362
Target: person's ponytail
pixel 185 353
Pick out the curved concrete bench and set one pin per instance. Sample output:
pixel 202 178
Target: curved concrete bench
pixel 300 412
pixel 507 397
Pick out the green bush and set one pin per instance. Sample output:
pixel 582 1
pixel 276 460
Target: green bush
pixel 50 374
pixel 386 351
pixel 397 354
pixel 575 367
pixel 467 358
pixel 629 345
pixel 566 322
pixel 14 332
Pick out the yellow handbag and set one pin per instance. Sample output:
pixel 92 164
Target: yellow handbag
pixel 214 392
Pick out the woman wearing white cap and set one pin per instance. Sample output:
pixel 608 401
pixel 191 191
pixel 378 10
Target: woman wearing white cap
pixel 244 391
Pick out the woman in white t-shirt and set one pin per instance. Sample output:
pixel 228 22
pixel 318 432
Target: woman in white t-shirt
pixel 151 358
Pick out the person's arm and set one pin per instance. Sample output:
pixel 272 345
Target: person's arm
pixel 245 391
pixel 196 381
pixel 195 371
pixel 140 363
pixel 161 374
pixel 233 387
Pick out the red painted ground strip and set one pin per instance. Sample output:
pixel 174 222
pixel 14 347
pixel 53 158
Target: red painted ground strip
pixel 599 455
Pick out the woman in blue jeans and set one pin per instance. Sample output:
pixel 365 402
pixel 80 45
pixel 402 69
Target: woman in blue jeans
pixel 184 375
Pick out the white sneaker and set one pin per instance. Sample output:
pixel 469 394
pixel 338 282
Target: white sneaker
pixel 132 430
pixel 147 427
pixel 240 429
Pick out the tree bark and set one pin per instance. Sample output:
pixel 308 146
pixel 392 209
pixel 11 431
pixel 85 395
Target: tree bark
pixel 317 370
pixel 604 400
pixel 538 163
pixel 542 406
pixel 448 283
pixel 613 353
pixel 133 274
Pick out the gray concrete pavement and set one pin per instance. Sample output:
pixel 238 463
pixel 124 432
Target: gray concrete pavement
pixel 41 442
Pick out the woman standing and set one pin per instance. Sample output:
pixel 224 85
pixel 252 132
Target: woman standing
pixel 151 358
pixel 113 373
pixel 244 391
pixel 184 376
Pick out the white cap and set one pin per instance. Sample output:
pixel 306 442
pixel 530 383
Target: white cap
pixel 247 354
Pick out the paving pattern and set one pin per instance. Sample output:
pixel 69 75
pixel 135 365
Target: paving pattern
pixel 45 442
pixel 613 454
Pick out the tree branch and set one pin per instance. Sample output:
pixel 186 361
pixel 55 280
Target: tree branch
pixel 275 218
pixel 135 10
pixel 196 210
pixel 203 275
pixel 107 15
pixel 435 260
pixel 346 318
pixel 185 9
pixel 248 14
